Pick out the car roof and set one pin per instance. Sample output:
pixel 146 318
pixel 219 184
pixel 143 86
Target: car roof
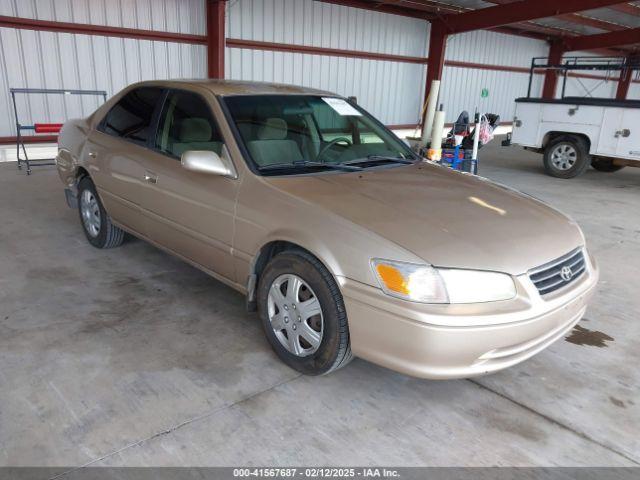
pixel 238 87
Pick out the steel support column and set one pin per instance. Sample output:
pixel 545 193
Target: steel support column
pixel 215 38
pixel 623 84
pixel 437 46
pixel 551 76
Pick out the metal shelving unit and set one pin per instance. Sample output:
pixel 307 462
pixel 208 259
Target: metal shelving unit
pixel 34 128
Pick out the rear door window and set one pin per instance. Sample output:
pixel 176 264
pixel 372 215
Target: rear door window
pixel 132 117
pixel 186 123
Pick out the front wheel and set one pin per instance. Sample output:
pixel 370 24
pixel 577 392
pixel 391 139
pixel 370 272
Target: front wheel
pixel 96 223
pixel 303 313
pixel 605 165
pixel 566 157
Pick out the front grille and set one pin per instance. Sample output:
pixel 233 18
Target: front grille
pixel 558 273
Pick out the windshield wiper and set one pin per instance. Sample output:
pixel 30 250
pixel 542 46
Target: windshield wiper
pixel 305 164
pixel 380 158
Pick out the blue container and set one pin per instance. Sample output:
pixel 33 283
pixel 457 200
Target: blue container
pixel 463 161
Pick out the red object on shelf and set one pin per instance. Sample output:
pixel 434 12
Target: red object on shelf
pixel 47 127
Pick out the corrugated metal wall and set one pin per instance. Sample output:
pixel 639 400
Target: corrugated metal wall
pixel 39 59
pixel 392 91
pixel 462 87
pixel 182 16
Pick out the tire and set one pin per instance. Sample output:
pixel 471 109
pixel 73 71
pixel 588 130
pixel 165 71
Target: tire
pixel 332 350
pixel 566 157
pixel 605 165
pixel 98 229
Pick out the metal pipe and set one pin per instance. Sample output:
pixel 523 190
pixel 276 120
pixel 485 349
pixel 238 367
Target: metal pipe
pixel 59 91
pixel 432 103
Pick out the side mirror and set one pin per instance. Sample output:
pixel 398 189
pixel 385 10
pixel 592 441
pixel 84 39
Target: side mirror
pixel 205 161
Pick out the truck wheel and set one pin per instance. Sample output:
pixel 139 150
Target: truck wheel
pixel 566 157
pixel 605 165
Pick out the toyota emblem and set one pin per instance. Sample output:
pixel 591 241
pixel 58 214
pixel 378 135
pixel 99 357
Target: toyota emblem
pixel 566 273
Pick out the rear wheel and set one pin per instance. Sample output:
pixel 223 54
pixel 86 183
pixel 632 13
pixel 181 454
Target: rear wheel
pixel 303 314
pixel 96 223
pixel 566 157
pixel 605 165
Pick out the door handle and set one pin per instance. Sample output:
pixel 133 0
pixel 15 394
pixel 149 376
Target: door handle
pixel 93 154
pixel 150 177
pixel 625 132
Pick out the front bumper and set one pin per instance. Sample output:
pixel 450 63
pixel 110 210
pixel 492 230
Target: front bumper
pixel 456 341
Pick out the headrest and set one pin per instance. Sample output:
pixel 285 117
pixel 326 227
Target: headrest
pixel 273 129
pixel 195 130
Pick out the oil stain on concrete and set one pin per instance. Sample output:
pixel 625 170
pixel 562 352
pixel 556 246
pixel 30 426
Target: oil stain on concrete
pixel 617 402
pixel 592 338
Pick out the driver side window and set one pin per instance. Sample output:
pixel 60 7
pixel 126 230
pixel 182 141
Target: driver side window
pixel 186 123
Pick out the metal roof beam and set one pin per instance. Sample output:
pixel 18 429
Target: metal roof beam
pixel 394 9
pixel 591 22
pixel 521 11
pixel 627 8
pixel 576 18
pixel 429 7
pixel 629 36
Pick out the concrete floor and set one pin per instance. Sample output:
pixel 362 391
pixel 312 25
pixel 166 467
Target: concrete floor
pixel 131 357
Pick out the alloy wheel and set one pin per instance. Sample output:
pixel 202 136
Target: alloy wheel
pixel 90 212
pixel 295 315
pixel 564 156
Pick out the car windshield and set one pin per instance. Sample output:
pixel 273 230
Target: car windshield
pixel 293 133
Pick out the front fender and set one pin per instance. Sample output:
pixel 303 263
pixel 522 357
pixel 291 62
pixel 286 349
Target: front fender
pixel 304 240
pixel 346 254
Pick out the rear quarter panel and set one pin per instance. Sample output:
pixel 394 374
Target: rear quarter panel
pixel 71 142
pixel 73 138
pixel 526 123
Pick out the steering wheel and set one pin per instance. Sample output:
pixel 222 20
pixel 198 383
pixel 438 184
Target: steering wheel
pixel 333 142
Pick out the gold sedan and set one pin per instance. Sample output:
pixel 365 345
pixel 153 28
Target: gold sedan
pixel 341 237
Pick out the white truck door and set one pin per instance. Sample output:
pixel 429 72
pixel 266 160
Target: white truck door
pixel 608 140
pixel 629 135
pixel 526 122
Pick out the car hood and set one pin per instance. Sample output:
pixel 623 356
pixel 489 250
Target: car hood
pixel 447 218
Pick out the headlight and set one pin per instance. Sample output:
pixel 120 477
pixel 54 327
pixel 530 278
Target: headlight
pixel 410 281
pixel 474 286
pixel 425 284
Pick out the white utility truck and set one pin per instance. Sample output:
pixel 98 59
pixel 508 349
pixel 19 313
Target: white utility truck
pixel 575 132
